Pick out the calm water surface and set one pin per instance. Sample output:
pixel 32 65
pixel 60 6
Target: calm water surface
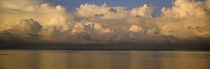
pixel 67 59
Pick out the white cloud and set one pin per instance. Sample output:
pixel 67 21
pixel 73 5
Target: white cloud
pixel 183 18
pixel 144 11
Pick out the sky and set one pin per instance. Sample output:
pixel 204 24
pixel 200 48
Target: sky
pixel 105 21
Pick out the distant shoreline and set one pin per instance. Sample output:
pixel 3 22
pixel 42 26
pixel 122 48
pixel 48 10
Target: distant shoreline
pixel 105 47
pixel 106 50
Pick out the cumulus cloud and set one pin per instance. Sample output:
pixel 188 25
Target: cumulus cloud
pixel 48 16
pixel 36 19
pixel 94 11
pixel 27 27
pixel 186 19
pixel 143 11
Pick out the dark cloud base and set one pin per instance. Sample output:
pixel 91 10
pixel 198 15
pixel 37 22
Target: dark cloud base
pixel 201 45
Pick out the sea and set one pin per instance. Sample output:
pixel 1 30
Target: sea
pixel 99 59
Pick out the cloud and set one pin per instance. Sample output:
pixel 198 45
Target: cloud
pixel 186 19
pixel 90 23
pixel 143 11
pixel 47 15
pixel 27 27
pixel 106 12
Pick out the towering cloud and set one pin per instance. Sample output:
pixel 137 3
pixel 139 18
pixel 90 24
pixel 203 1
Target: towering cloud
pixel 27 28
pixel 38 20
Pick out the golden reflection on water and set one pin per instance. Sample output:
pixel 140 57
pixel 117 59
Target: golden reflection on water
pixel 64 59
